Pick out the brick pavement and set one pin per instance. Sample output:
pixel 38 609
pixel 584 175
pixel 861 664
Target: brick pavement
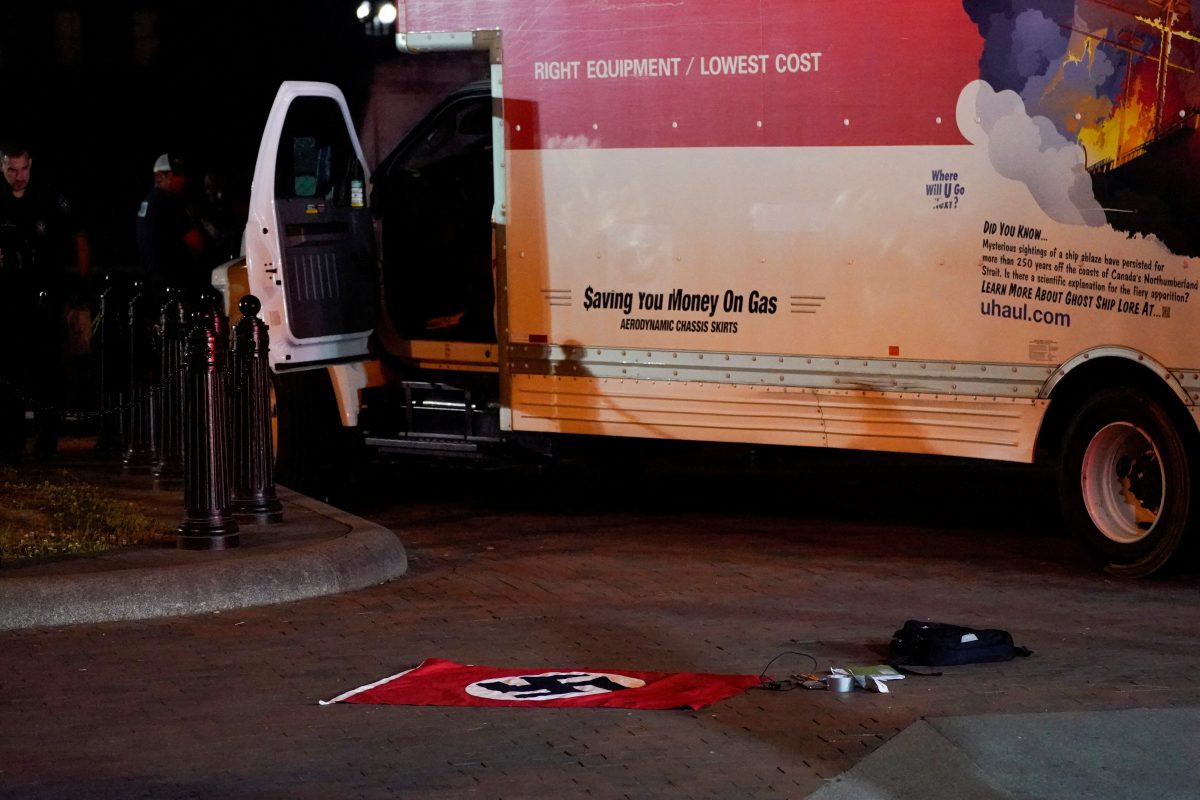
pixel 559 574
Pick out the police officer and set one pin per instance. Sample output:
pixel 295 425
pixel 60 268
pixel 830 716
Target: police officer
pixel 170 239
pixel 44 253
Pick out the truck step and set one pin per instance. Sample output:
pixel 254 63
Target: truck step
pixel 451 447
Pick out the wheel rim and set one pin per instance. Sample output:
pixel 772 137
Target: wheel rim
pixel 1123 482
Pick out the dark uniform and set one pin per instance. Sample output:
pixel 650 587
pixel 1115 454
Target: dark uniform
pixel 162 223
pixel 37 275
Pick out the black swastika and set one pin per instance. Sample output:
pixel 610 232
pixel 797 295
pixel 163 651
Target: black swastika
pixel 554 685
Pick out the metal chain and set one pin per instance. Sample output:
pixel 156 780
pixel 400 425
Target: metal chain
pixel 236 382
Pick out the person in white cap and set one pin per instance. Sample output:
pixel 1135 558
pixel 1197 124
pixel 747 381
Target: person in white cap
pixel 169 240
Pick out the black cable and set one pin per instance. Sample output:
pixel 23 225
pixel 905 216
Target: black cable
pixel 787 684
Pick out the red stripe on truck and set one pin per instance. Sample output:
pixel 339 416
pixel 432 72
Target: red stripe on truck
pixel 715 73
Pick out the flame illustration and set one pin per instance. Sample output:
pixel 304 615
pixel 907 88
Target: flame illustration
pixel 1130 125
pixel 1151 55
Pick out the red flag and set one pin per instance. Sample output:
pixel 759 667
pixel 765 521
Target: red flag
pixel 437 682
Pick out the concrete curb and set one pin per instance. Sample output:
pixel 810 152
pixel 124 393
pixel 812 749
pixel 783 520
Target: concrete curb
pixel 1128 753
pixel 889 773
pixel 366 555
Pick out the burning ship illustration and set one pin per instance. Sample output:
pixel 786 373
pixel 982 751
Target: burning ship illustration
pixel 1144 159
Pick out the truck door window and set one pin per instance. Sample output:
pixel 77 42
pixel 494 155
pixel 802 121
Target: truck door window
pixel 462 128
pixel 310 165
pixel 315 155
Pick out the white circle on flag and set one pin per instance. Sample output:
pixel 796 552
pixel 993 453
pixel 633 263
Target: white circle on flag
pixel 552 686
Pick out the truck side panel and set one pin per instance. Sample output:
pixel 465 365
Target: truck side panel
pixel 891 422
pixel 916 212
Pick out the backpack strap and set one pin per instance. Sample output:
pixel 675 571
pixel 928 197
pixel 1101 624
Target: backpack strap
pixel 908 671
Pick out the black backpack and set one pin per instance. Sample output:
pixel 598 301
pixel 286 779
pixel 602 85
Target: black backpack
pixel 936 644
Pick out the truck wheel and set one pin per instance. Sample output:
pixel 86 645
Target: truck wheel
pixel 1126 483
pixel 312 448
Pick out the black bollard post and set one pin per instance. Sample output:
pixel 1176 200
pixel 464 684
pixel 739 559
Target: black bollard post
pixel 141 451
pixel 207 522
pixel 112 349
pixel 46 372
pixel 254 469
pixel 212 305
pixel 172 379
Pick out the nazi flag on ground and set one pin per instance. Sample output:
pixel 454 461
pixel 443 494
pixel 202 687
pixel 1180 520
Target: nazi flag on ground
pixel 437 682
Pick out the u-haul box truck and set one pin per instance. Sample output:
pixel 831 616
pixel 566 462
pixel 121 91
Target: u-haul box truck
pixel 936 227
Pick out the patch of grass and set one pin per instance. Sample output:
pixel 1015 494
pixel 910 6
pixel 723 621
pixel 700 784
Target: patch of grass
pixel 53 513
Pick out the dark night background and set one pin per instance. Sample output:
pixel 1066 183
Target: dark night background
pixel 97 89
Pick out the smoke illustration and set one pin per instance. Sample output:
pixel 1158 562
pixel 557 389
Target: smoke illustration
pixel 1092 105
pixel 1069 60
pixel 1030 150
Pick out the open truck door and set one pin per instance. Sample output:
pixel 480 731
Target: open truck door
pixel 309 240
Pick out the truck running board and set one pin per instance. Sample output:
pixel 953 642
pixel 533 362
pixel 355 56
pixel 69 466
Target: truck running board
pixel 449 447
pixel 429 418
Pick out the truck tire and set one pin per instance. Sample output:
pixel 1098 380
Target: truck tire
pixel 313 451
pixel 1126 483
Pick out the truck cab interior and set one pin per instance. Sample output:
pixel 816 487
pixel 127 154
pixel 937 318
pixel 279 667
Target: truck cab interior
pixel 433 198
